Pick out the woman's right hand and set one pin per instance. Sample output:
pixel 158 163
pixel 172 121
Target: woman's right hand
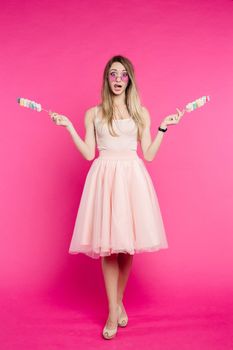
pixel 60 119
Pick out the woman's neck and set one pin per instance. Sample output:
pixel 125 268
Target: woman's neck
pixel 119 101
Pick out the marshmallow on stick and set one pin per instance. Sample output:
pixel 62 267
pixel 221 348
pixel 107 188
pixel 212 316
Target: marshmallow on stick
pixel 24 102
pixel 190 107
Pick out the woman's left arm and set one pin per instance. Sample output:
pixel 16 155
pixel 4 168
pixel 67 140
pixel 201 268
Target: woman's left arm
pixel 150 148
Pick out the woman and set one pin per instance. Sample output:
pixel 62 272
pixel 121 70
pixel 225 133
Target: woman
pixel 119 214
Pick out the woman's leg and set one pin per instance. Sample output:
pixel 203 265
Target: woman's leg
pixel 125 262
pixel 110 270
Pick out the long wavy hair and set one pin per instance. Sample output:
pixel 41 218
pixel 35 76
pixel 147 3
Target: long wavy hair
pixel 132 98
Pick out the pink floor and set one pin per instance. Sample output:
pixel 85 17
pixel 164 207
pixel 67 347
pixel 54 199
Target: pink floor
pixel 58 322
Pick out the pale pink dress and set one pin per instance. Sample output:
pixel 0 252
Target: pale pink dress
pixel 119 210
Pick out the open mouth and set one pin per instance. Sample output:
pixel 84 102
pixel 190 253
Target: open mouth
pixel 117 86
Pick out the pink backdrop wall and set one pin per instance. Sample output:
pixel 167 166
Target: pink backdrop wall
pixel 55 53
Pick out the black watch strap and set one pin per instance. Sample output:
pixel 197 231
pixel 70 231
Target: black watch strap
pixel 164 130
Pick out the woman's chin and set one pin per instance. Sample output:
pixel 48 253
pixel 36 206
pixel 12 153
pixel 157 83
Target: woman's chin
pixel 117 92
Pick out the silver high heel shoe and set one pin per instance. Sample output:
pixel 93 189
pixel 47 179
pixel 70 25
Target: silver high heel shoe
pixel 109 333
pixel 122 320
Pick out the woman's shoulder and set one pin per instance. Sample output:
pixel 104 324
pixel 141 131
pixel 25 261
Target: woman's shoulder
pixel 91 113
pixel 97 110
pixel 144 109
pixel 145 114
pixel 92 109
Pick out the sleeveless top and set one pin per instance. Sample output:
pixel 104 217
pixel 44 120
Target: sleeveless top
pixel 125 128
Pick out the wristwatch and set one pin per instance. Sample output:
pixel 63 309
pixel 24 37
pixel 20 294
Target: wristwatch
pixel 160 129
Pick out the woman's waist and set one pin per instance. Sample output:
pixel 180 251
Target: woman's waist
pixel 119 154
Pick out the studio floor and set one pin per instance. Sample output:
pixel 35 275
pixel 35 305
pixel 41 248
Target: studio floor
pixel 52 322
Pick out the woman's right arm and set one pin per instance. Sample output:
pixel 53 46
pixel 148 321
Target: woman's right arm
pixel 87 147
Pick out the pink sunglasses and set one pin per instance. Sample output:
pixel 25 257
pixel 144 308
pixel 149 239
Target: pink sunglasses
pixel 124 76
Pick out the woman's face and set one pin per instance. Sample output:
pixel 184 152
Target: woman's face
pixel 118 78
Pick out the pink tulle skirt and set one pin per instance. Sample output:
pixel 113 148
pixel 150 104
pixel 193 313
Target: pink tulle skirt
pixel 119 210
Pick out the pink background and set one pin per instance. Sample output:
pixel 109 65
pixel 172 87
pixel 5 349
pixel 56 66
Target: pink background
pixel 54 52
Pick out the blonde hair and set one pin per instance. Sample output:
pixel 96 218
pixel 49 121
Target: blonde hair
pixel 132 98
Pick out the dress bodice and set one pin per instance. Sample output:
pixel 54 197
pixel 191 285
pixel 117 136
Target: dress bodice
pixel 125 128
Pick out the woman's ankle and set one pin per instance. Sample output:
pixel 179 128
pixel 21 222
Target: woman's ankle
pixel 112 308
pixel 120 300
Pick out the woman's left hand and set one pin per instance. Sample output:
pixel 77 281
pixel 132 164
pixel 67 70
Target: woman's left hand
pixel 173 118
